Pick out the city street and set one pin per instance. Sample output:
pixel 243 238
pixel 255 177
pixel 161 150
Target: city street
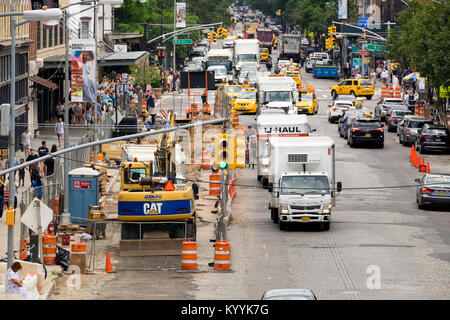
pixel 373 230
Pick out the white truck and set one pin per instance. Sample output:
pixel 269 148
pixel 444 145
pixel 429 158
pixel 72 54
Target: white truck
pixel 303 185
pixel 245 50
pixel 277 92
pixel 280 126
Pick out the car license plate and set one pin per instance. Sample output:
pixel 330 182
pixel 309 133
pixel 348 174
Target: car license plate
pixel 438 139
pixel 242 108
pixel 368 135
pixel 441 193
pixel 305 219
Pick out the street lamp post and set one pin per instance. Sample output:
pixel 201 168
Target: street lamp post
pixel 29 15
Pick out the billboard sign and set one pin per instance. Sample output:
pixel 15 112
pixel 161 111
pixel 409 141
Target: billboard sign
pixel 83 71
pixel 181 14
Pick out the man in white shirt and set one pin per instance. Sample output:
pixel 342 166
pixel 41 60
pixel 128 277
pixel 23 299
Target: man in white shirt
pixel 27 141
pixel 59 130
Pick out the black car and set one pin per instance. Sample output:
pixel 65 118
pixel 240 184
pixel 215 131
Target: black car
pixel 433 189
pixel 365 131
pixel 432 137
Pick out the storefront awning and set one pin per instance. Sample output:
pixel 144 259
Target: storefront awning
pixel 103 59
pixel 44 82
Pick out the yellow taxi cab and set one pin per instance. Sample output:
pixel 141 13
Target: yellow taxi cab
pixel 228 90
pixel 263 54
pixel 356 87
pixel 246 101
pixel 295 75
pixel 308 103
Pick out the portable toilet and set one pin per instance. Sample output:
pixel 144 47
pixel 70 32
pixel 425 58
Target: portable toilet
pixel 83 191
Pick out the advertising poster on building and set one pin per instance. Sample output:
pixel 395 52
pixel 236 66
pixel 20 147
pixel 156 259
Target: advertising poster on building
pixel 181 14
pixel 342 9
pixel 83 70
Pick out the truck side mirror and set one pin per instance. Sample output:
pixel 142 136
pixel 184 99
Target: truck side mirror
pixel 339 186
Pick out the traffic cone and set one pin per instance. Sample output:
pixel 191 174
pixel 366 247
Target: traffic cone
pixel 422 162
pixel 23 250
pixel 412 154
pixel 108 266
pixel 428 168
pixel 416 164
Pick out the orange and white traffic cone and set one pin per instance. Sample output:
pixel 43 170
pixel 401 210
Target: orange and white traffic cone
pixel 108 266
pixel 428 168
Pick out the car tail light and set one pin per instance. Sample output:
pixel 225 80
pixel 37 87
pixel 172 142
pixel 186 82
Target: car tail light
pixel 334 108
pixel 426 190
pixel 407 132
pixel 379 129
pixel 427 137
pixel 392 119
pixel 356 129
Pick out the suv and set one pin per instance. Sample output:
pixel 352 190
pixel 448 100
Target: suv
pixel 407 129
pixel 356 87
pixel 365 131
pixel 433 138
pixel 383 105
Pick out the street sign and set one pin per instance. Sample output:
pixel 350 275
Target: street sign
pixel 374 47
pixel 30 216
pixel 363 22
pixel 182 41
pixel 363 52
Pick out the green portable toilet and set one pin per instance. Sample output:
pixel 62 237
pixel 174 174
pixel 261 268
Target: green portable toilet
pixel 83 191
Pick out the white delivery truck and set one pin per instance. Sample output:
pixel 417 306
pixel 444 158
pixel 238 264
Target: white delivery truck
pixel 245 50
pixel 280 126
pixel 277 92
pixel 304 185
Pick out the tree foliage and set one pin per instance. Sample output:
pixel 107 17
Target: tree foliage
pixel 422 40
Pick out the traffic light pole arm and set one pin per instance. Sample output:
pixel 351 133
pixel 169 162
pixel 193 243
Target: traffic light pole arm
pixel 375 34
pixel 181 31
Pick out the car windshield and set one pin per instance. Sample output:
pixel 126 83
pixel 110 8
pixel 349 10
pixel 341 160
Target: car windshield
pixel 438 180
pixel 233 89
pixel 416 124
pixel 304 185
pixel 247 95
pixel 437 132
pixel 400 113
pixel 219 72
pixel 306 97
pixel 247 57
pixel 343 105
pixel 346 97
pixel 247 66
pixel 397 107
pixel 367 124
pixel 272 96
pixel 365 82
pixel 134 173
pixel 393 102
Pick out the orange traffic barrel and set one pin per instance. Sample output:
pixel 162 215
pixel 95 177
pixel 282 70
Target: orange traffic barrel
pixel 391 91
pixel 214 184
pixel 206 109
pixel 235 120
pixel 49 248
pixel 206 159
pixel 422 111
pixel 92 156
pixel 384 92
pixel 222 260
pixel 398 92
pixel 99 157
pixel 189 255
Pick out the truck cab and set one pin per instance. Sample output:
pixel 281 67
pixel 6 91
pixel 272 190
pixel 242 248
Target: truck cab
pixel 277 92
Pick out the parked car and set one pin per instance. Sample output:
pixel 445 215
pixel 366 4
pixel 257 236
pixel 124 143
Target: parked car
pixel 356 87
pixel 337 109
pixel 433 189
pixel 383 105
pixel 395 117
pixel 289 294
pixel 432 137
pixel 367 130
pixel 408 128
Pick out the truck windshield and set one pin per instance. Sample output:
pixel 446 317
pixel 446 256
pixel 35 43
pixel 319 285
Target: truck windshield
pixel 134 173
pixel 304 185
pixel 273 96
pixel 247 57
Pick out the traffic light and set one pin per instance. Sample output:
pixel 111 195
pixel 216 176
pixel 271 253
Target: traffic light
pixel 219 32
pixel 364 34
pixel 330 31
pixel 279 12
pixel 239 153
pixel 328 43
pixel 333 30
pixel 221 148
pixel 225 33
pixel 333 43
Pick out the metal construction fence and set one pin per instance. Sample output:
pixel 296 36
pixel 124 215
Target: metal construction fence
pixel 155 250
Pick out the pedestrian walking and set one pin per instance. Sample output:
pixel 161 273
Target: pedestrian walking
pixel 13 284
pixel 384 77
pixel 49 164
pixel 2 162
pixel 43 150
pixel 32 167
pixel 373 76
pixel 60 110
pixel 88 116
pixel 151 107
pixel 170 81
pixel 37 186
pixel 59 130
pixel 22 173
pixel 394 81
pixel 27 141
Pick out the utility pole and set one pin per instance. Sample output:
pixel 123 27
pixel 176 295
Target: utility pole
pixel 175 35
pixel 95 103
pixel 12 132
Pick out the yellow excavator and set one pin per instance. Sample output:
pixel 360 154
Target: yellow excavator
pixel 155 190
